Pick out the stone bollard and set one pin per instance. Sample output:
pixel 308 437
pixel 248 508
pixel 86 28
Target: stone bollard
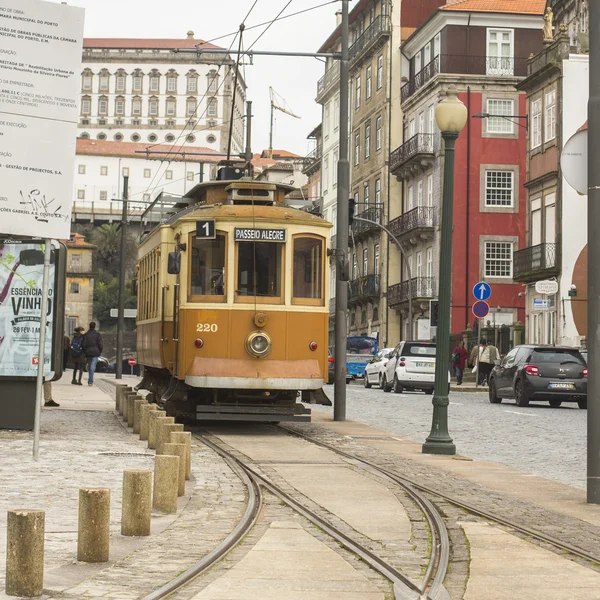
pixel 166 430
pixel 119 395
pixel 160 423
pixel 25 553
pixel 153 420
pixel 146 409
pixel 137 410
pixel 180 451
pixel 126 404
pixel 184 437
pixel 166 477
pixel 137 503
pixel 93 538
pixel 131 408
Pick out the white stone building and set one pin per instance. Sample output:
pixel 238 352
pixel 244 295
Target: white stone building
pixel 143 90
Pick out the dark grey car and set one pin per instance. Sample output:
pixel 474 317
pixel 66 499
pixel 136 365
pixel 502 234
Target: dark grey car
pixel 553 374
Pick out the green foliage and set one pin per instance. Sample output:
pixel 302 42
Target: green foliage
pixel 106 296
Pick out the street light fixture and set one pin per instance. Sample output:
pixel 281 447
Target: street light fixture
pixel 451 116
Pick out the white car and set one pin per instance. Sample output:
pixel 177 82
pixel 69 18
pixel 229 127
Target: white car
pixel 375 368
pixel 411 366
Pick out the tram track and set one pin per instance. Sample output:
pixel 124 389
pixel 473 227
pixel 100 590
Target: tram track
pixel 405 481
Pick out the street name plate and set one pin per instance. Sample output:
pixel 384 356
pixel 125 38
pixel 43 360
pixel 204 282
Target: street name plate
pixel 546 287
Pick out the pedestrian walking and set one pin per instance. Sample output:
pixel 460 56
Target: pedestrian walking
pixel 66 349
pixel 459 360
pixel 77 355
pixel 48 401
pixel 92 348
pixel 484 357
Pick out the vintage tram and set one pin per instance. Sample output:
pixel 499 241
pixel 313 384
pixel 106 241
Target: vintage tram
pixel 232 305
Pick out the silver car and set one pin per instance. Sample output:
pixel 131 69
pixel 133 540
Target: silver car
pixel 375 368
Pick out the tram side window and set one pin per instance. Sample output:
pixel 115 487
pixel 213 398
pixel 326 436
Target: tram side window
pixel 259 269
pixel 208 267
pixel 308 268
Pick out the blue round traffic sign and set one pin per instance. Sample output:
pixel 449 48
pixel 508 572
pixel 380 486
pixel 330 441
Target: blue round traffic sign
pixel 481 309
pixel 482 290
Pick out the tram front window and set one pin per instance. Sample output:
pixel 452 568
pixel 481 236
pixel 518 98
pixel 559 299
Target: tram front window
pixel 308 268
pixel 208 267
pixel 259 269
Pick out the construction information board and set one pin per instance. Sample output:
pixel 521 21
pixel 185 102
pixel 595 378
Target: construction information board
pixel 40 81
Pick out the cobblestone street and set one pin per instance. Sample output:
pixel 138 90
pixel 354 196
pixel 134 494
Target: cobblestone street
pixel 539 440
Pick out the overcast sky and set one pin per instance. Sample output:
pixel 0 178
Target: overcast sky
pixel 295 79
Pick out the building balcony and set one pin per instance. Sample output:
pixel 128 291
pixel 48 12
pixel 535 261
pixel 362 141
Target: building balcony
pixel 536 262
pixel 416 223
pixel 374 213
pixel 312 161
pixel 364 288
pixel 380 28
pixel 418 288
pixel 456 64
pixel 416 153
pixel 328 81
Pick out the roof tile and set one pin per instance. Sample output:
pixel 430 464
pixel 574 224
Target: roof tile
pixel 535 7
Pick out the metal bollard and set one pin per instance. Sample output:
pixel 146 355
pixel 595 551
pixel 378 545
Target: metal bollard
pixel 166 431
pixel 137 503
pixel 25 553
pixel 166 477
pixel 184 437
pixel 152 426
pixel 93 538
pixel 180 451
pixel 137 408
pixel 160 423
pixel 146 409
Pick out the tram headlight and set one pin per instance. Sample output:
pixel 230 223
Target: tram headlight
pixel 258 344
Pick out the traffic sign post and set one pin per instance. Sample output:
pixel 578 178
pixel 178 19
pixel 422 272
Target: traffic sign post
pixel 481 309
pixel 482 290
pixel 132 362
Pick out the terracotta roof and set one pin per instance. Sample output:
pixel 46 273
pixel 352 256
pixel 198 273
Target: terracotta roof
pixel 535 7
pixel 279 154
pixel 128 149
pixel 144 44
pixel 406 32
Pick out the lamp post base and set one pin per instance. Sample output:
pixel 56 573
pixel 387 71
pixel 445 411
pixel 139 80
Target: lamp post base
pixel 439 447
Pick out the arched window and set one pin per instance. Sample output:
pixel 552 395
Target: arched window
pixel 153 106
pixel 120 106
pixel 363 317
pixel 137 81
pixel 375 313
pixel 103 105
pixel 171 106
pixel 213 107
pixel 86 105
pixel 104 81
pixel 172 81
pixel 352 319
pixel 154 81
pixel 191 105
pixel 213 81
pixel 192 82
pixel 136 106
pixel 120 81
pixel 87 78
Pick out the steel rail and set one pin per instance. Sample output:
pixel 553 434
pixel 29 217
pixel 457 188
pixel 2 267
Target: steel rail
pixel 437 568
pixel 404 588
pixel 534 533
pixel 246 523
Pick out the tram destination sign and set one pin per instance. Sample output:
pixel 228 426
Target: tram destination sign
pixel 250 234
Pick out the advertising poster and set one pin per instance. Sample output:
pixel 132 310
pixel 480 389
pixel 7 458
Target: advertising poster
pixel 21 272
pixel 40 77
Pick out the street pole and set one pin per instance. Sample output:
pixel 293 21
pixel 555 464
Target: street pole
pixel 451 116
pixel 249 134
pixel 343 196
pixel 408 269
pixel 121 320
pixel 593 386
pixel 42 349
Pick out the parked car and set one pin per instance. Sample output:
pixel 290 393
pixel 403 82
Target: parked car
pixel 411 366
pixel 331 369
pixel 375 368
pixel 552 374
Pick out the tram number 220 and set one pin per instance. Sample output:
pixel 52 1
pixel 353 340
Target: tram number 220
pixel 211 327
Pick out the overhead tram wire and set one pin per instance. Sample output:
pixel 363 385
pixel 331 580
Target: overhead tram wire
pixel 234 92
pixel 270 23
pixel 249 28
pixel 187 134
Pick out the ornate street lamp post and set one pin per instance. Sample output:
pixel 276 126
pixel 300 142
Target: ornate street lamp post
pixel 450 116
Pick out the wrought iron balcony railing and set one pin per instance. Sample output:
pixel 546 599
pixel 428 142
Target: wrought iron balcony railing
pixel 499 66
pixel 332 76
pixel 374 213
pixel 418 145
pixel 312 160
pixel 417 287
pixel 364 287
pixel 379 27
pixel 422 217
pixel 535 262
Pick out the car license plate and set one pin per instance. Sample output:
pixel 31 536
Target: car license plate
pixel 562 386
pixel 423 364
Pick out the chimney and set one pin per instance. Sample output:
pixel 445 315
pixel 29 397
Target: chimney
pixel 338 17
pixel 190 35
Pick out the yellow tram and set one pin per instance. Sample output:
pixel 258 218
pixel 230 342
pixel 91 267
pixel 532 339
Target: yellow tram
pixel 232 305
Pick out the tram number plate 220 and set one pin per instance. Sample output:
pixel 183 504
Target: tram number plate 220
pixel 205 229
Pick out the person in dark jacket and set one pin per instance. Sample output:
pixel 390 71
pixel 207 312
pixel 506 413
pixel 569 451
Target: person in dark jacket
pixel 66 349
pixel 77 355
pixel 92 347
pixel 459 359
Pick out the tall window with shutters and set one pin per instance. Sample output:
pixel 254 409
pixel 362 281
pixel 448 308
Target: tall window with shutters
pixel 536 123
pixel 550 114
